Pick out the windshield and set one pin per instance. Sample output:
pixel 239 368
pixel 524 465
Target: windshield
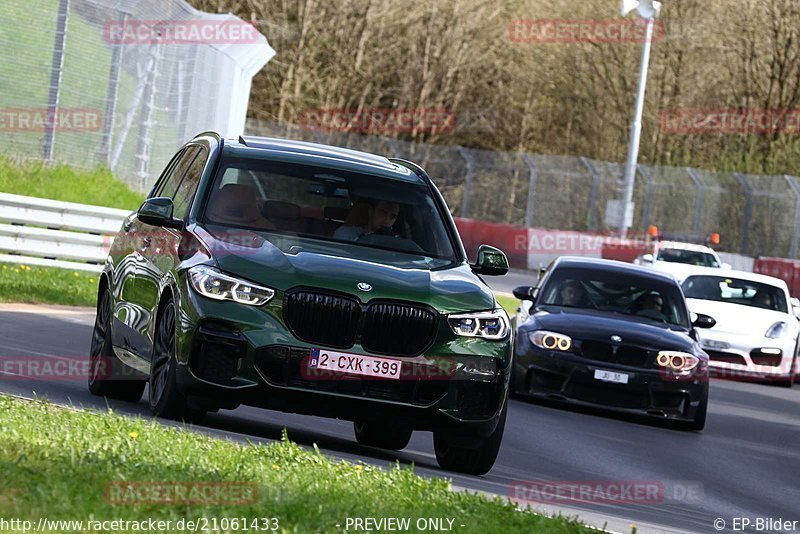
pixel 690 257
pixel 735 291
pixel 612 292
pixel 296 206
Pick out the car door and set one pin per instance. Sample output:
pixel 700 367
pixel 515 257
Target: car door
pixel 126 257
pixel 160 254
pixel 141 294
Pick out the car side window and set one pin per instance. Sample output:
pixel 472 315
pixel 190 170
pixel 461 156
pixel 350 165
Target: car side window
pixel 170 183
pixel 169 171
pixel 188 185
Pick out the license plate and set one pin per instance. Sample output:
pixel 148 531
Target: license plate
pixel 611 376
pixel 713 344
pixel 354 364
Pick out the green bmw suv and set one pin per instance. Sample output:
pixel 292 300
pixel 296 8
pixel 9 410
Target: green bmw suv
pixel 309 279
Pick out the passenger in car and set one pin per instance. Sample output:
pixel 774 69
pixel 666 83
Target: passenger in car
pixel 369 218
pixel 763 299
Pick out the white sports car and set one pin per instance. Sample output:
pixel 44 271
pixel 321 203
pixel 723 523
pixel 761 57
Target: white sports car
pixel 756 335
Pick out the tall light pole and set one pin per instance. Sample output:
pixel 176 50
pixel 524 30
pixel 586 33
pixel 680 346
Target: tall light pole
pixel 648 10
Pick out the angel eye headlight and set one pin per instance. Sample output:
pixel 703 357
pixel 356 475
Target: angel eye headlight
pixel 681 362
pixel 216 285
pixel 488 325
pixel 551 340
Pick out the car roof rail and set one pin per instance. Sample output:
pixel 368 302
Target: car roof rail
pixel 411 166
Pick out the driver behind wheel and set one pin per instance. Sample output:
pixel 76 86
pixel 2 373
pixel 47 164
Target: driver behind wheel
pixel 573 294
pixel 651 301
pixel 376 217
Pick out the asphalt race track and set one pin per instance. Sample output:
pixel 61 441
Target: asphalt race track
pixel 745 464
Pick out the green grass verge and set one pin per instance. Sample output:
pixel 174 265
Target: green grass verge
pixel 510 304
pixel 21 283
pixel 61 182
pixel 47 285
pixel 59 463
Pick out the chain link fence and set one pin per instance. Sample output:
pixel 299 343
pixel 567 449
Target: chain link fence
pixel 120 83
pixel 115 83
pixel 755 215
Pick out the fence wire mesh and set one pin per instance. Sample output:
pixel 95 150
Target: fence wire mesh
pixel 755 215
pixel 111 83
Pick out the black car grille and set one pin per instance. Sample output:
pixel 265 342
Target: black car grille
pixel 620 354
pixel 286 366
pixel 726 357
pixel 389 328
pixel 322 318
pixel 606 394
pixel 397 328
pixel 762 358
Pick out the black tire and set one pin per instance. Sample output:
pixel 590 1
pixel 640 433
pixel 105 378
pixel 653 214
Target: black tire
pixel 106 373
pixel 477 460
pixel 382 436
pixel 166 399
pixel 517 382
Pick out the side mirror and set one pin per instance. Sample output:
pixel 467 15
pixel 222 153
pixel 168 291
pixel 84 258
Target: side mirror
pixel 158 212
pixel 491 261
pixel 647 258
pixel 726 266
pixel 700 320
pixel 525 293
pixel 795 303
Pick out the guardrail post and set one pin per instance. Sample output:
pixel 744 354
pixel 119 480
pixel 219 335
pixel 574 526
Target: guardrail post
pixel 791 180
pixel 56 68
pixel 701 193
pixel 748 211
pixel 532 179
pixel 467 183
pixel 589 164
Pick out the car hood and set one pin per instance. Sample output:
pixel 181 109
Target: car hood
pixel 449 290
pixel 739 319
pixel 586 324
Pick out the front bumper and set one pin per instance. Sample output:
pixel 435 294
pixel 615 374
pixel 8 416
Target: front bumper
pixel 571 378
pixel 737 355
pixel 231 354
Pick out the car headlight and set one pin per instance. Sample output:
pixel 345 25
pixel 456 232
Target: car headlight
pixel 682 362
pixel 214 284
pixel 779 329
pixel 488 325
pixel 550 340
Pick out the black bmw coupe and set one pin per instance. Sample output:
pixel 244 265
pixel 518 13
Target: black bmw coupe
pixel 614 335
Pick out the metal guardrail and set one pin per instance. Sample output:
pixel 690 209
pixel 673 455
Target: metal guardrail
pixel 38 231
